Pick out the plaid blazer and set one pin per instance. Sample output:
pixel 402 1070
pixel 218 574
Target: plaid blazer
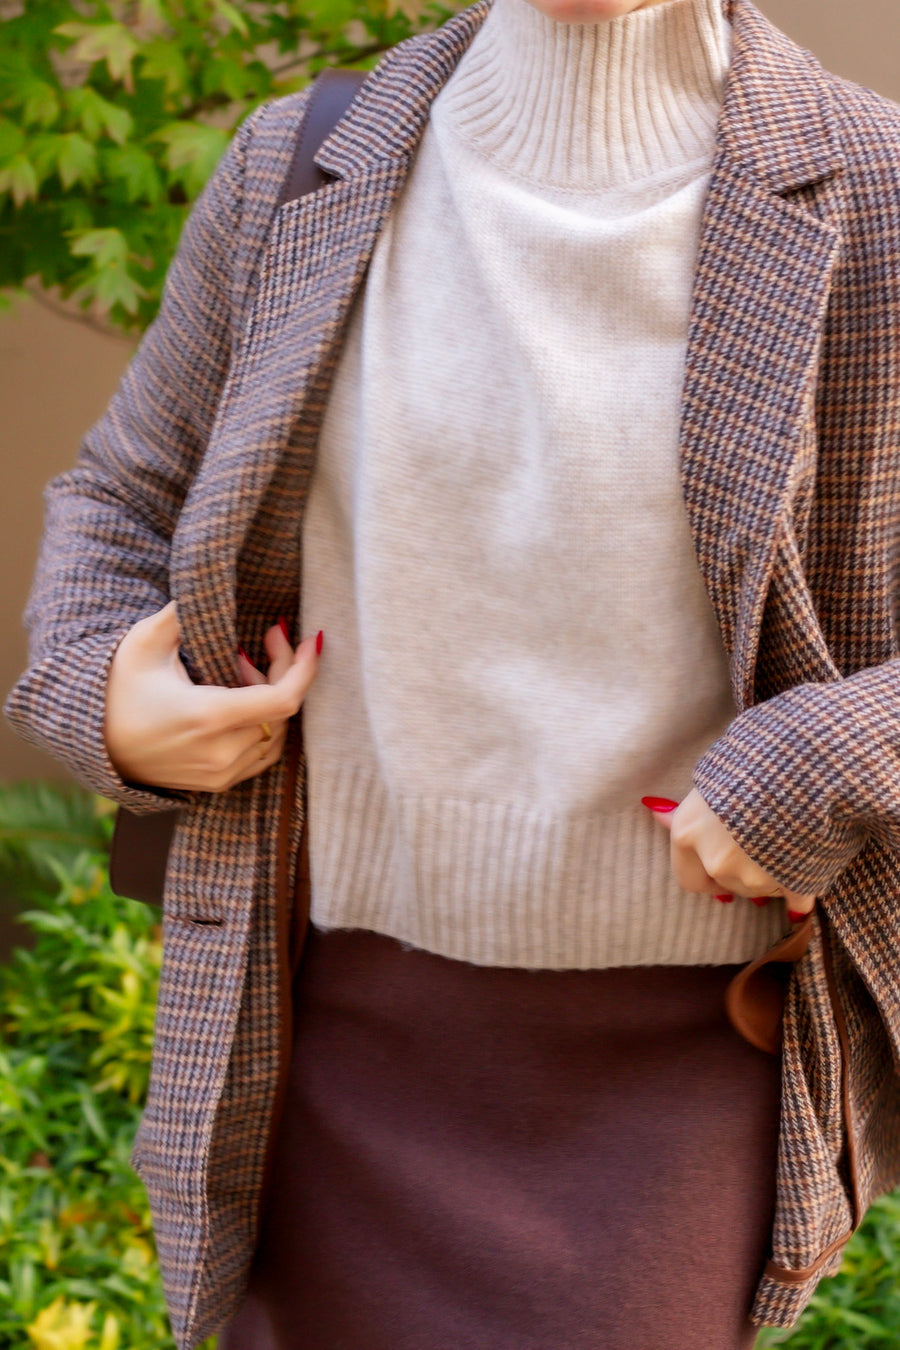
pixel 192 486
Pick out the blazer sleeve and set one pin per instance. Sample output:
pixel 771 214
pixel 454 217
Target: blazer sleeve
pixel 108 521
pixel 803 780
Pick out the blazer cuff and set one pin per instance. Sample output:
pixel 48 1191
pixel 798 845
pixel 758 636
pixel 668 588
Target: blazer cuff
pixel 780 780
pixel 59 705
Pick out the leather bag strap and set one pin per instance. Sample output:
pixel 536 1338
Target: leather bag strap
pixel 139 850
pixel 333 92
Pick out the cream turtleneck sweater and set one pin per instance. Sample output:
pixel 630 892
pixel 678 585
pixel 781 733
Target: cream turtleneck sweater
pixel 519 644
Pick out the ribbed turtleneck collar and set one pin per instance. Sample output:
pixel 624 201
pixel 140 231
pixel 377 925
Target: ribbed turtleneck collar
pixel 592 105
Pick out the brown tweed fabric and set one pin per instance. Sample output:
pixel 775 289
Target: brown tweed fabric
pixel 191 485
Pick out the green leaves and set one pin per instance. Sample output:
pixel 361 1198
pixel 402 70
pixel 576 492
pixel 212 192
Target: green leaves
pixel 40 103
pixel 166 61
pixel 46 826
pixel 107 279
pixel 109 42
pixel 135 169
pixel 114 115
pixel 232 16
pixel 12 139
pixel 28 90
pixel 76 159
pixel 230 76
pixel 96 115
pixel 77 1257
pixel 192 151
pixel 18 178
pixel 17 173
pixel 77 1264
pixel 111 111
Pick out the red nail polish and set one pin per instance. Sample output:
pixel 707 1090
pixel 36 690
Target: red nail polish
pixel 320 637
pixel 659 803
pixel 795 917
pixel 726 898
pixel 284 628
pixel 760 900
pixel 244 655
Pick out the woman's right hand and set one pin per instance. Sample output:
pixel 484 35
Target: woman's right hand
pixel 165 731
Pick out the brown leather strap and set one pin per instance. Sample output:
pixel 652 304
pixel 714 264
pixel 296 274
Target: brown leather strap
pixel 754 1000
pixel 139 852
pixel 332 94
pixel 784 1275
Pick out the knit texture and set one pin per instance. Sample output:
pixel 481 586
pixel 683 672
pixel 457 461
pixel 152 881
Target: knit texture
pixel 520 645
pixel 592 105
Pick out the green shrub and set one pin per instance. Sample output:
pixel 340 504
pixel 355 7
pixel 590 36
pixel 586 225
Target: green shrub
pixel 113 115
pixel 77 1258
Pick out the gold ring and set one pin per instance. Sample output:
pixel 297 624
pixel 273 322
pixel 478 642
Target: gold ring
pixel 266 731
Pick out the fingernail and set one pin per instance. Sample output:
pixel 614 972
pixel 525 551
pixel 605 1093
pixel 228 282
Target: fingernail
pixel 726 898
pixel 244 655
pixel 760 900
pixel 320 638
pixel 284 628
pixel 795 917
pixel 659 803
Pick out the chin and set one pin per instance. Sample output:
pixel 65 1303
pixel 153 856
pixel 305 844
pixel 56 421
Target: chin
pixel 588 11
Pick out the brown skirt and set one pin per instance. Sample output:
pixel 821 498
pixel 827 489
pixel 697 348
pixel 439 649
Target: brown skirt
pixel 478 1158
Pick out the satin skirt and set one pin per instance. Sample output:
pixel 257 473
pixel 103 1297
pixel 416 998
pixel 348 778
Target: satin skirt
pixel 474 1157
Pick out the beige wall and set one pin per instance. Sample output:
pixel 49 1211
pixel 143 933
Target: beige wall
pixel 56 376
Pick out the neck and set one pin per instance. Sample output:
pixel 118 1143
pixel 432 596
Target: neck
pixel 593 105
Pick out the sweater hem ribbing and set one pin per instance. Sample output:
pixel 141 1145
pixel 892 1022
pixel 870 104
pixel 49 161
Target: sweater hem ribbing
pixel 406 868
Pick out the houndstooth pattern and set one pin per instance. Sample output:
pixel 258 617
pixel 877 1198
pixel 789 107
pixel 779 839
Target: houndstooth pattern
pixel 192 485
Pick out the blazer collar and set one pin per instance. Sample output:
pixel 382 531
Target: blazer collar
pixel 776 121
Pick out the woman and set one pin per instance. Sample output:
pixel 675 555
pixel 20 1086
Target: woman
pixel 599 506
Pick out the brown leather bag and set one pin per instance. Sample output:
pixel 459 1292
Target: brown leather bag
pixel 139 851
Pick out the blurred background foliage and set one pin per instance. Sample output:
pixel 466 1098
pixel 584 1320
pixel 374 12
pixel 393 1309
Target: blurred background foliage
pixel 78 1267
pixel 77 1000
pixel 113 114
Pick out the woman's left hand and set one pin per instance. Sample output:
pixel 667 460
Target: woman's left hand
pixel 706 857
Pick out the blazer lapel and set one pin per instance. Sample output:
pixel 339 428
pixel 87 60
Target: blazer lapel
pixel 761 289
pixel 261 449
pixel 273 399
